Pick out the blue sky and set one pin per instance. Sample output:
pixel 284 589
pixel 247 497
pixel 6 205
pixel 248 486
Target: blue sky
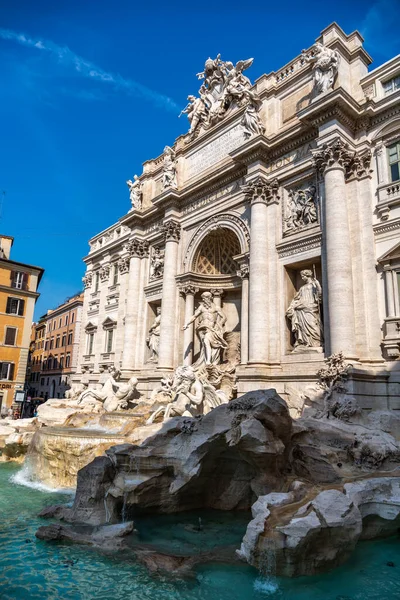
pixel 90 90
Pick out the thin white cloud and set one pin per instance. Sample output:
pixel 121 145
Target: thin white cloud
pixel 380 28
pixel 87 69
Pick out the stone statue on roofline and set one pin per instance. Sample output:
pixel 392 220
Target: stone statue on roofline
pixel 169 169
pixel 224 88
pixel 325 63
pixel 135 192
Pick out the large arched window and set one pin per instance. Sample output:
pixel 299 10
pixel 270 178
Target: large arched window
pixel 215 253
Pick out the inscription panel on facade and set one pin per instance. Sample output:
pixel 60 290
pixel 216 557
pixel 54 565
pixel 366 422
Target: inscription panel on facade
pixel 215 151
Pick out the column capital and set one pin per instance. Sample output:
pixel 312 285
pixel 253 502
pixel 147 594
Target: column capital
pixel 123 264
pixel 171 230
pixel 217 292
pixel 104 272
pixel 243 272
pixel 188 290
pixel 137 248
pixel 262 190
pixel 337 154
pixel 87 280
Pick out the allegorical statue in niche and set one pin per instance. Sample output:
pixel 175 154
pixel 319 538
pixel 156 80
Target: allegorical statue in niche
pixel 156 263
pixel 325 66
pixel 302 208
pixel 135 192
pixel 169 169
pixel 191 396
pixel 210 329
pixel 304 313
pixel 153 340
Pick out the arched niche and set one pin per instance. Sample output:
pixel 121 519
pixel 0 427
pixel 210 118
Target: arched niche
pixel 218 225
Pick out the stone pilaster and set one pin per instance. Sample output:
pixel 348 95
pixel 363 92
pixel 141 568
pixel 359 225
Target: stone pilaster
pixel 243 273
pixel 188 291
pixel 137 249
pixel 171 230
pixel 263 195
pixel 335 160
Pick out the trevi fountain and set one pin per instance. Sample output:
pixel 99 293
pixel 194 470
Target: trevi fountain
pixel 233 426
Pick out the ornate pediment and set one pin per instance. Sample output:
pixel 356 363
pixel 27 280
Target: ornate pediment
pixel 109 323
pixel 91 327
pixel 392 254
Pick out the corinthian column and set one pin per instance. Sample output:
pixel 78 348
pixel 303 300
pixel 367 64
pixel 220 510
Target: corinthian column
pixel 188 291
pixel 333 160
pixel 262 194
pixel 168 322
pixel 243 273
pixel 137 249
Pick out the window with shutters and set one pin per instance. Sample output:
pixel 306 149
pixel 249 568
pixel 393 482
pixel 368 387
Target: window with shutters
pixel 69 339
pixel 15 306
pixel 58 341
pixel 66 319
pixel 67 360
pixel 11 336
pixel 61 362
pixel 90 343
pixel 72 317
pixel 109 340
pixel 7 371
pixel 19 280
pixel 51 343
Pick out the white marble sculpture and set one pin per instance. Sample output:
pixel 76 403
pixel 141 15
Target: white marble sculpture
pixel 210 329
pixel 301 208
pixel 156 263
pixel 191 396
pixel 153 339
pixel 223 89
pixel 135 192
pixel 113 396
pixel 169 169
pixel 325 66
pixel 251 121
pixel 304 313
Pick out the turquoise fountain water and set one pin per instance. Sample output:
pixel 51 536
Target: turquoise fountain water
pixel 31 569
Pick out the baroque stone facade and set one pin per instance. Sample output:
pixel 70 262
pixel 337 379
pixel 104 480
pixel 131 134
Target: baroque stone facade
pixel 283 202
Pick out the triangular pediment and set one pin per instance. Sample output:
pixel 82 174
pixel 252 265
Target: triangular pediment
pixel 109 323
pixel 392 254
pixel 90 327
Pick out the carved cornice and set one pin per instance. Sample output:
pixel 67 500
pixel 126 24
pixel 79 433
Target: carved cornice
pixel 338 154
pixel 386 227
pixel 137 248
pixel 292 247
pixel 171 230
pixel 262 190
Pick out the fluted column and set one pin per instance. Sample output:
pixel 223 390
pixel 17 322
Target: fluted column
pixel 168 307
pixel 137 249
pixel 243 273
pixel 188 291
pixel 262 194
pixel 333 161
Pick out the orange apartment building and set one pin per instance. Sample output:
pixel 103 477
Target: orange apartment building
pixel 54 353
pixel 18 294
